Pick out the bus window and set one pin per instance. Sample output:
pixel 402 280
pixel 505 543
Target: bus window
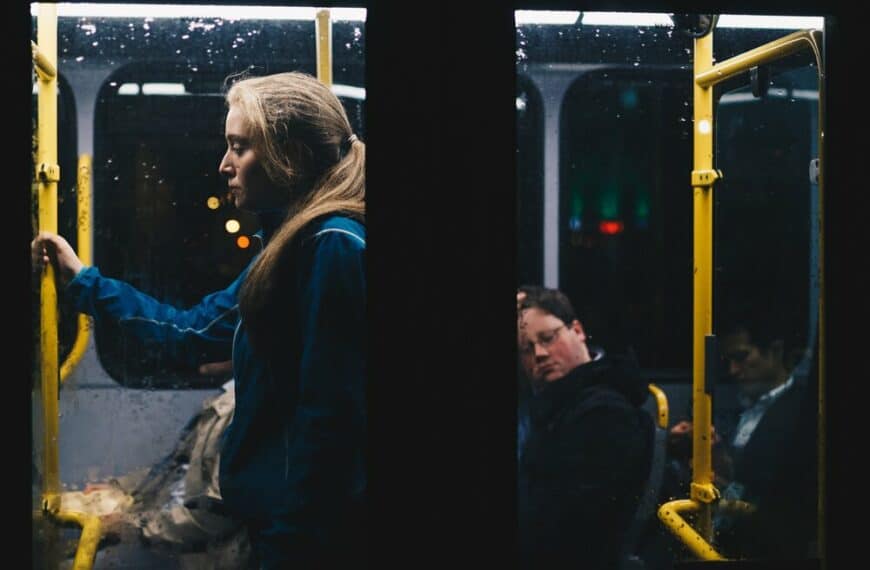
pixel 625 212
pixel 161 217
pixel 610 224
pixel 530 194
pixel 766 295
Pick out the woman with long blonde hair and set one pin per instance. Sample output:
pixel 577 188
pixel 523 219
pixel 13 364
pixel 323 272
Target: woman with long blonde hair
pixel 292 463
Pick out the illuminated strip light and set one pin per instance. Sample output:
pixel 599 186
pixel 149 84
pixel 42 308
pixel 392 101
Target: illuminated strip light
pixel 164 89
pixel 349 91
pixel 771 22
pixel 153 89
pixel 128 89
pixel 805 94
pixel 545 17
pixel 348 14
pixel 626 19
pixel 662 19
pixel 128 11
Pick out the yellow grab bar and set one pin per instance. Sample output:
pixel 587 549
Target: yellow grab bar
pixel 83 185
pixel 669 514
pixel 323 26
pixel 703 492
pixel 48 175
pixel 703 178
pixel 661 405
pixel 47 178
pixel 766 53
pixel 89 540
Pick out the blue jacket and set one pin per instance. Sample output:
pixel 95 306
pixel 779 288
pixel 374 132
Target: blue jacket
pixel 292 459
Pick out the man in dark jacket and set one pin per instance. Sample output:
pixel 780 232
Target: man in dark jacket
pixel 773 448
pixel 587 456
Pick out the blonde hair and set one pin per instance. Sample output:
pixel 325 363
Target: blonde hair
pixel 301 134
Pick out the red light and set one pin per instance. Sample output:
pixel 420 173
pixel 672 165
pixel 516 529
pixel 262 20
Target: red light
pixel 611 227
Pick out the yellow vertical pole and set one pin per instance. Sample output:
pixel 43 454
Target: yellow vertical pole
pixel 323 31
pixel 703 176
pixel 47 176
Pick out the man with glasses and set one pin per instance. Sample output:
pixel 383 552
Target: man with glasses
pixel 586 456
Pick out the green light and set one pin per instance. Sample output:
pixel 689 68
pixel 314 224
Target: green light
pixel 609 202
pixel 641 206
pixel 576 203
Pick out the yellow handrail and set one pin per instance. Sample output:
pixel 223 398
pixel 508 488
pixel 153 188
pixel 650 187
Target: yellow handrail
pixel 669 514
pixel 323 27
pixel 661 405
pixel 84 251
pixel 703 493
pixel 766 53
pixel 48 175
pixel 702 490
pixel 88 541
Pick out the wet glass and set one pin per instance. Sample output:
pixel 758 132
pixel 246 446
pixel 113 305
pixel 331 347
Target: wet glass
pixel 766 284
pixel 141 91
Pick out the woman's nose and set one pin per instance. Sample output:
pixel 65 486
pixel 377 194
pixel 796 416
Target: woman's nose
pixel 225 167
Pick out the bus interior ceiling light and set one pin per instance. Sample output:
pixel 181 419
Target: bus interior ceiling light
pixel 545 17
pixel 163 89
pixel 349 91
pixel 663 19
pixel 625 19
pixel 228 12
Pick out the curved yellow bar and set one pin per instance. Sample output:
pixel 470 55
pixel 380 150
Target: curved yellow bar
pixel 771 51
pixel 661 405
pixel 669 514
pixel 89 540
pixel 83 184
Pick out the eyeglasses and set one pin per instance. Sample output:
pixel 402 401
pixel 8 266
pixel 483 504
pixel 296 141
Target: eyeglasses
pixel 545 340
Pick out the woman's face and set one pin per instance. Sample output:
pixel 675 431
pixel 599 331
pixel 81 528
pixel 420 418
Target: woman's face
pixel 248 183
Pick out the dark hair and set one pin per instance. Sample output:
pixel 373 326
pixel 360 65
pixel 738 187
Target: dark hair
pixel 765 324
pixel 550 301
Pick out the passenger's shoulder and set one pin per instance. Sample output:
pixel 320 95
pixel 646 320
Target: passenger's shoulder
pixel 340 228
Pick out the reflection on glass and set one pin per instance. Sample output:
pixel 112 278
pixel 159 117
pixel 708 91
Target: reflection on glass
pixel 605 214
pixel 766 311
pixel 141 90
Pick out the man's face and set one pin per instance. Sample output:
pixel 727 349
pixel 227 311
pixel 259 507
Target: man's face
pixel 754 370
pixel 549 349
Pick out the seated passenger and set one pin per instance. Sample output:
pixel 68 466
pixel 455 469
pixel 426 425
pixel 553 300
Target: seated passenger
pixel 587 456
pixel 774 448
